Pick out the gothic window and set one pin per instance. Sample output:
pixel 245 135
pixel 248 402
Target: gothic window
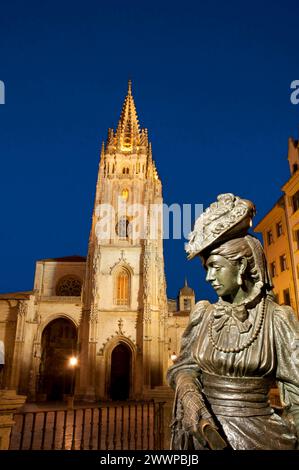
pixel 125 194
pixel 69 286
pixel 122 288
pixel 187 304
pixel 125 171
pixel 122 227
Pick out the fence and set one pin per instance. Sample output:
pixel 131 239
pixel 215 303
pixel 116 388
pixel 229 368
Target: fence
pixel 127 426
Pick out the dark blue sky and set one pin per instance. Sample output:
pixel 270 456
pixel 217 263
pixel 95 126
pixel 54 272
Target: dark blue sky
pixel 211 82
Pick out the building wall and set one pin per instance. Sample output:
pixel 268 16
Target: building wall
pixel 286 244
pixel 292 216
pixel 48 273
pixel 176 325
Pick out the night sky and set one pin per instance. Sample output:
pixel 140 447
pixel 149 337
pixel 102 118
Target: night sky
pixel 211 82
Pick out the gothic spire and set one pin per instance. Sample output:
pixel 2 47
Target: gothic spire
pixel 128 132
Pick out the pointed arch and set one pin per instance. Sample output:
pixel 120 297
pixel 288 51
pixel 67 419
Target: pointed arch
pixel 108 358
pixel 122 286
pixel 58 344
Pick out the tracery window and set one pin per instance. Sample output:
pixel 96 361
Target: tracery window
pixel 125 194
pixel 69 286
pixel 122 288
pixel 122 227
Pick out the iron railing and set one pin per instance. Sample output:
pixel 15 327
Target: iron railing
pixel 127 426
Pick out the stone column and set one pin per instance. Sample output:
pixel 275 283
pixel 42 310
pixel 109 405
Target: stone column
pixel 9 403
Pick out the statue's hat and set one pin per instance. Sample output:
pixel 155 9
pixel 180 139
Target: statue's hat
pixel 229 217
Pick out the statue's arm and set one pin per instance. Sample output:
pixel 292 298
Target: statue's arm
pixel 185 366
pixel 190 411
pixel 286 335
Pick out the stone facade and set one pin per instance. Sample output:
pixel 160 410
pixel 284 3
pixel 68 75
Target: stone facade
pixel 280 230
pixel 110 310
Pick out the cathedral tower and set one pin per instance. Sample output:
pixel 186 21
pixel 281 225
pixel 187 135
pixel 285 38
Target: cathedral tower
pixel 122 346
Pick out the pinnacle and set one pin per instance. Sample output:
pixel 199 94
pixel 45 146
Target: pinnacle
pixel 128 130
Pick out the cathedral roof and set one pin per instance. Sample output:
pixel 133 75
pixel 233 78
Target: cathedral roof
pixel 17 295
pixel 68 259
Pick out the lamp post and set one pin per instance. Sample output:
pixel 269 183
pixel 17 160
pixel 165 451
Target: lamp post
pixel 73 362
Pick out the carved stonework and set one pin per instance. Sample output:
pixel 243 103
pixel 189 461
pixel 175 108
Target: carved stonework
pixel 118 334
pixel 22 312
pixel 146 274
pixel 95 278
pixel 147 314
pixel 23 307
pixel 93 314
pixel 122 261
pixel 120 325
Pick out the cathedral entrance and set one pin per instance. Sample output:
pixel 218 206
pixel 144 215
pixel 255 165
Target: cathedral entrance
pixel 59 341
pixel 121 362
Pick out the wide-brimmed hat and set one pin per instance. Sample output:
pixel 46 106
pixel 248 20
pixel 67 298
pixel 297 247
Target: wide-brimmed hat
pixel 229 217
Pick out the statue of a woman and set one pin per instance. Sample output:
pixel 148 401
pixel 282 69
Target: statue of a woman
pixel 233 351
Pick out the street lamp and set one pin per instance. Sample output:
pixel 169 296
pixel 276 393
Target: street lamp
pixel 73 362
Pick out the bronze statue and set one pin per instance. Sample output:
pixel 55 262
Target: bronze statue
pixel 233 351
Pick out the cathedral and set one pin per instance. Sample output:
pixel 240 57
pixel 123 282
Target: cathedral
pixel 101 327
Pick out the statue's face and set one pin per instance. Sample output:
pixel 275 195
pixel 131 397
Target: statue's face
pixel 223 276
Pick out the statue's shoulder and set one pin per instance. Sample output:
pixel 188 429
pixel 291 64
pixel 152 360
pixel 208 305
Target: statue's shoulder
pixel 198 311
pixel 281 313
pixel 196 315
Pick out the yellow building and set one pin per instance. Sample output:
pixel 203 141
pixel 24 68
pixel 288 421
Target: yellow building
pixel 280 230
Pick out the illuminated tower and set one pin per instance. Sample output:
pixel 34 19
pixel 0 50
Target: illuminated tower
pixel 124 305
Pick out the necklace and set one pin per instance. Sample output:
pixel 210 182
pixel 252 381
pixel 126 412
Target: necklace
pixel 248 342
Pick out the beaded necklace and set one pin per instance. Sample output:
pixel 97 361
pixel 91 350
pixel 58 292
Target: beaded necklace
pixel 248 342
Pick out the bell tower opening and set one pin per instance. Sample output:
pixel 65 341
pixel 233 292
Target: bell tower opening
pixel 120 378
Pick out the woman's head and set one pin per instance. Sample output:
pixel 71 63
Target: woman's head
pixel 237 268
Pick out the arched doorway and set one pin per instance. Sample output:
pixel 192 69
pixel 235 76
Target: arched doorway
pixel 58 343
pixel 121 363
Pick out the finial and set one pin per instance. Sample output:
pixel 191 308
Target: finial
pixel 129 87
pixel 186 283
